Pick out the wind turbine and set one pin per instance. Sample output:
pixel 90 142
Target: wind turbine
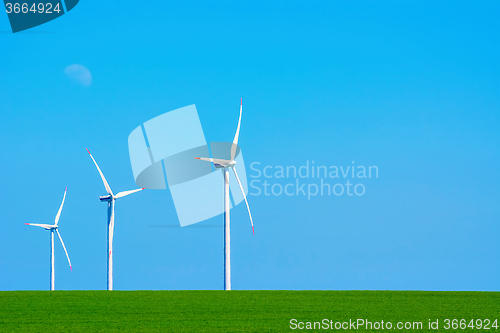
pixel 52 228
pixel 110 199
pixel 225 165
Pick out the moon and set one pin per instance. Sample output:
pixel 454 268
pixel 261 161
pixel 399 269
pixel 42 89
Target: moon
pixel 79 74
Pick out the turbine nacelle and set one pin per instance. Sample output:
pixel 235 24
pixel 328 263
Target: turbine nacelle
pixel 221 166
pixel 106 198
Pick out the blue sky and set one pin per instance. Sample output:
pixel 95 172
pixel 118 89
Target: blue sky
pixel 411 87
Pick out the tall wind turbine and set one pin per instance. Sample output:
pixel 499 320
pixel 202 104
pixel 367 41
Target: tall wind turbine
pixel 110 199
pixel 225 165
pixel 52 228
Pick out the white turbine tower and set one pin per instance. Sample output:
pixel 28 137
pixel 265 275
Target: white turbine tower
pixel 225 165
pixel 52 228
pixel 110 199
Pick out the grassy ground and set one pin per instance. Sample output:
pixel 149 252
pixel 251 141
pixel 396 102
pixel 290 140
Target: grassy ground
pixel 234 311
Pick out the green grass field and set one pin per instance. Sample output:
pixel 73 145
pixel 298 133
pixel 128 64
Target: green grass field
pixel 235 311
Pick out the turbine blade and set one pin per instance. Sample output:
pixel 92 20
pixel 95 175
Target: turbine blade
pixel 60 208
pixel 235 141
pixel 214 160
pixel 245 197
pixel 46 226
pixel 64 247
pixel 106 185
pixel 204 159
pixel 125 193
